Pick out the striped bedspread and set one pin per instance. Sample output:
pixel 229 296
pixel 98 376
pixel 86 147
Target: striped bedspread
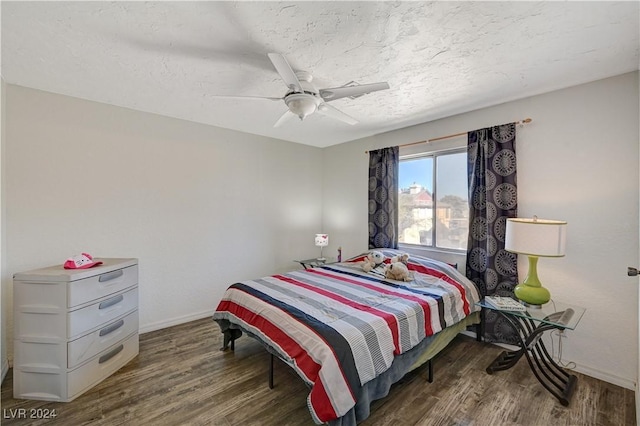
pixel 340 327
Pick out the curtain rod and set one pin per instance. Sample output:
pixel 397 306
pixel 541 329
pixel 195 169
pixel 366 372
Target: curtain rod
pixel 525 121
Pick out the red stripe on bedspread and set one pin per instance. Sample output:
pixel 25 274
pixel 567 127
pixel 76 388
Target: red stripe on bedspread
pixel 426 308
pixel 424 270
pixel 321 403
pixel 319 398
pixel 390 319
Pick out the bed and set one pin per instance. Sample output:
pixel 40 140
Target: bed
pixel 350 334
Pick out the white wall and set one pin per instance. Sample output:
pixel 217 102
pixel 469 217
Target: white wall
pixel 4 368
pixel 200 207
pixel 577 161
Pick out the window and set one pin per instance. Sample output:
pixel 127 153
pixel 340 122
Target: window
pixel 433 206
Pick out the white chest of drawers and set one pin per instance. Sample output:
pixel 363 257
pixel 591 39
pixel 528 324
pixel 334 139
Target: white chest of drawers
pixel 73 327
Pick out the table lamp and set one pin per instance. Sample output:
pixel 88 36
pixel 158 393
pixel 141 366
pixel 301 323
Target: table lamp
pixel 322 240
pixel 535 238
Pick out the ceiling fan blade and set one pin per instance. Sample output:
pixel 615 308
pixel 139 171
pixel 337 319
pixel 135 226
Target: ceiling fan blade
pixel 247 97
pixel 288 115
pixel 329 111
pixel 351 91
pixel 286 72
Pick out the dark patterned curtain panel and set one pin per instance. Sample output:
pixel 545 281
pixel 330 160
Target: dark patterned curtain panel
pixel 383 198
pixel 493 198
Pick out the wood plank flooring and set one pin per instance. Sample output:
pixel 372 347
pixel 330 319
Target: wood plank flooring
pixel 181 378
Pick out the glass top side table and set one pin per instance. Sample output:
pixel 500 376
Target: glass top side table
pixel 530 325
pixel 561 314
pixel 313 263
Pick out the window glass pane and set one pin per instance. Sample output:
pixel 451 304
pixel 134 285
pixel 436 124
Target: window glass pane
pixel 452 210
pixel 415 205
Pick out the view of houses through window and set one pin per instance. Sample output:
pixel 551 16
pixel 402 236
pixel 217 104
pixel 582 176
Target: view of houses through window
pixel 433 206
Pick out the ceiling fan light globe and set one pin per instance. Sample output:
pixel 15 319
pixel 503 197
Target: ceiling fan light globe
pixel 302 105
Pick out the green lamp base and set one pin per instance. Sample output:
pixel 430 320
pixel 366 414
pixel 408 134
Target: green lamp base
pixel 532 295
pixel 531 291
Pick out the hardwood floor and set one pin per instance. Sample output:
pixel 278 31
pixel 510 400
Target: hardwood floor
pixel 181 378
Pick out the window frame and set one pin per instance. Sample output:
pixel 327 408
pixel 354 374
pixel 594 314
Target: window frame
pixel 433 153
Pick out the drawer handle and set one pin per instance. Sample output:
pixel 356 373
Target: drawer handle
pixel 104 305
pixel 110 276
pixel 106 357
pixel 111 328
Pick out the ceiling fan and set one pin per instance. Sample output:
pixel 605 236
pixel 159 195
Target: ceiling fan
pixel 303 98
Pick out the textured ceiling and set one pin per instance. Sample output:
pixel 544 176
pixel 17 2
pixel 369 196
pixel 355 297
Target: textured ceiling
pixel 440 58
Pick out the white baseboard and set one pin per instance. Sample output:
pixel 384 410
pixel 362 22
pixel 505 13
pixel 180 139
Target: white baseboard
pixel 5 370
pixel 146 328
pixel 606 377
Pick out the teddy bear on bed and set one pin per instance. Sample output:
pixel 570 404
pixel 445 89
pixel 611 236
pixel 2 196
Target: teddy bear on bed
pixel 374 260
pixel 397 271
pixel 400 257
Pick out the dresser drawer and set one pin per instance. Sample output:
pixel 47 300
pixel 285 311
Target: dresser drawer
pixel 85 347
pixel 92 288
pixel 101 366
pixel 102 312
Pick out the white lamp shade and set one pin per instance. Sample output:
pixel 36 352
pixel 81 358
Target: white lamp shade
pixel 536 237
pixel 322 240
